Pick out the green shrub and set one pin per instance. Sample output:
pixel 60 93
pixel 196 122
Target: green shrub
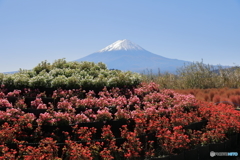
pixel 1 78
pixel 86 66
pixel 44 65
pixel 69 72
pixel 87 82
pixel 42 80
pixel 100 81
pixel 56 72
pixel 74 81
pixel 64 74
pixel 30 73
pixel 8 80
pixel 102 65
pixel 72 65
pixel 21 80
pixel 112 82
pixel 59 81
pixel 60 63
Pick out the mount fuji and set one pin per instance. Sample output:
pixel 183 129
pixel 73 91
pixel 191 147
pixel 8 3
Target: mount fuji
pixel 128 56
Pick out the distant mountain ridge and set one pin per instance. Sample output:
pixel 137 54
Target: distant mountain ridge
pixel 126 55
pixel 10 72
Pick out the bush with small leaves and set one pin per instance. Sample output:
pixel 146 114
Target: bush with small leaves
pixel 59 81
pixel 38 81
pixel 8 80
pixel 21 80
pixel 1 78
pixel 44 65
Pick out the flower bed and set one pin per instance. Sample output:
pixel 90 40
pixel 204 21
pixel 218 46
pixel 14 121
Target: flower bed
pixel 143 122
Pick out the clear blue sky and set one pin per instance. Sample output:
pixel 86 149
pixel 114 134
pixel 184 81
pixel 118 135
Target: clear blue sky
pixel 35 30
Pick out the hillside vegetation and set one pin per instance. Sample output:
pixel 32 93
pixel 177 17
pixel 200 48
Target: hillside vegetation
pixel 197 75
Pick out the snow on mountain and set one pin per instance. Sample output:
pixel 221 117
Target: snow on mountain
pixel 121 45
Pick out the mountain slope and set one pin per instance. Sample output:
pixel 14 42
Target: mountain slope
pixel 125 55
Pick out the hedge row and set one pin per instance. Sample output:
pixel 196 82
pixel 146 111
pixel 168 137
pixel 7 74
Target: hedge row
pixel 70 75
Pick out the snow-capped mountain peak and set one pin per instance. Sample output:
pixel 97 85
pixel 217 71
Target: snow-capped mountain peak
pixel 121 45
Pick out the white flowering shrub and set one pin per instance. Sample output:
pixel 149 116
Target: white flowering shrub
pixel 87 82
pixel 30 73
pixel 59 63
pixel 1 78
pixel 44 65
pixel 8 80
pixel 74 81
pixel 38 81
pixel 72 65
pixel 102 65
pixel 56 72
pixel 21 80
pixel 59 81
pixel 112 82
pixel 86 75
pixel 69 72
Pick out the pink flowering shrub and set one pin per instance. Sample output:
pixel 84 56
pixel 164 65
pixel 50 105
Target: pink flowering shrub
pixel 146 88
pixel 7 153
pixel 228 121
pixel 186 101
pixel 64 104
pixel 20 104
pixel 212 136
pixel 134 100
pixel 119 101
pixel 102 102
pixel 67 94
pixel 87 103
pixel 132 147
pixel 174 141
pixel 110 149
pixel 46 119
pixel 26 120
pixel 47 149
pixel 179 117
pixel 8 133
pixel 2 94
pixel 90 114
pixel 81 118
pixel 149 112
pixel 107 133
pixel 157 123
pixel 55 118
pixel 41 95
pixel 103 114
pixel 15 93
pixel 59 94
pixel 5 103
pixel 73 150
pixel 122 114
pixel 38 104
pixel 75 102
pixel 84 134
pixel 11 115
pixel 63 118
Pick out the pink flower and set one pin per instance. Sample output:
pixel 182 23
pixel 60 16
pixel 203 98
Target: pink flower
pixel 103 114
pixel 122 114
pixel 5 103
